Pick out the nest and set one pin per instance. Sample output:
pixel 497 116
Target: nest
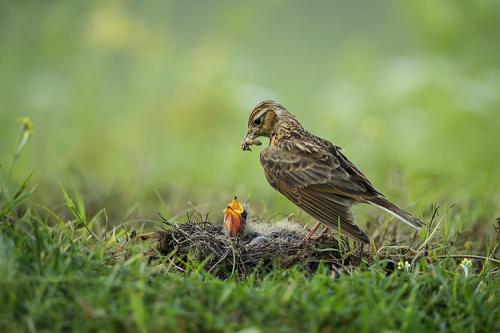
pixel 280 246
pixel 258 251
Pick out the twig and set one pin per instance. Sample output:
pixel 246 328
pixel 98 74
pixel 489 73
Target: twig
pixel 431 236
pixel 219 261
pixel 147 235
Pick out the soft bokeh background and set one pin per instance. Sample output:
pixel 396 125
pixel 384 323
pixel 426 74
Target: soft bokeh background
pixel 142 105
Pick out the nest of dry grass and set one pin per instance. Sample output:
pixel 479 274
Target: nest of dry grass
pixel 257 251
pixel 268 247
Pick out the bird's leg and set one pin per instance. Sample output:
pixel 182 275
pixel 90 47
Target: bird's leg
pixel 311 232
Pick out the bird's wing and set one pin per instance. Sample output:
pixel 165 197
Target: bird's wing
pixel 355 174
pixel 303 165
pixel 314 180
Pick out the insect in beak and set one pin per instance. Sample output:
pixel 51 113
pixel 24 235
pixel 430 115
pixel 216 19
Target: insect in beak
pixel 248 141
pixel 235 218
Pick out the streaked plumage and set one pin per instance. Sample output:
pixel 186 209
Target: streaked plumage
pixel 312 172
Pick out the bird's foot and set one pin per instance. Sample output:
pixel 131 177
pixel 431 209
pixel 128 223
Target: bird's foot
pixel 310 233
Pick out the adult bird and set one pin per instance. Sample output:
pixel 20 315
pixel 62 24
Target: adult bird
pixel 313 173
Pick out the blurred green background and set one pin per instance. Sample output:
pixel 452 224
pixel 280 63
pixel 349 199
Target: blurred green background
pixel 143 105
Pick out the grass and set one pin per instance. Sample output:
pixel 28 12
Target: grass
pixel 58 278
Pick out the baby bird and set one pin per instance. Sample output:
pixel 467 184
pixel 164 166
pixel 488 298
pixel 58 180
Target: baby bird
pixel 313 173
pixel 235 217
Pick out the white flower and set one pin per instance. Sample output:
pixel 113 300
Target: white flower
pixel 404 265
pixel 466 265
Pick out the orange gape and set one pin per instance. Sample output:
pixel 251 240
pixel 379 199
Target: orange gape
pixel 235 218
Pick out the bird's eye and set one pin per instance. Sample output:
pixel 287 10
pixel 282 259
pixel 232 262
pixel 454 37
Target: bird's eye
pixel 258 121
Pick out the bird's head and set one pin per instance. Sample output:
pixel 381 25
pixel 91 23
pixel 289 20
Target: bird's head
pixel 266 119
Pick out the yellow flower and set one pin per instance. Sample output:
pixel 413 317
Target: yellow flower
pixel 26 124
pixel 26 132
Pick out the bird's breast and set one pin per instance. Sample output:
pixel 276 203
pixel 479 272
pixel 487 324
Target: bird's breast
pixel 235 224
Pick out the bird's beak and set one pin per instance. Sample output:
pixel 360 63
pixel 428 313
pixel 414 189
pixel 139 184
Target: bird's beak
pixel 249 140
pixel 235 217
pixel 234 208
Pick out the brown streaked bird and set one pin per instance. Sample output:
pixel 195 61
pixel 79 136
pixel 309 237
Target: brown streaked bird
pixel 235 217
pixel 313 173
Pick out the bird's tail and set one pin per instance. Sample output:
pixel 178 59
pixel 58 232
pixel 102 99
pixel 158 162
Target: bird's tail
pixel 396 211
